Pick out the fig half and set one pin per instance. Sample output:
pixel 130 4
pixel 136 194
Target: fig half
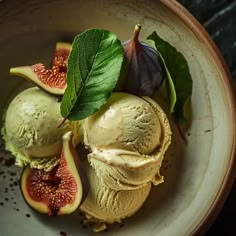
pixel 51 80
pixel 60 191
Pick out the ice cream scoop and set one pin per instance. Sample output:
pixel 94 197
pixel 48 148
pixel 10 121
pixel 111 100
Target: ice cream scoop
pixel 107 205
pixel 128 138
pixel 30 130
pixel 125 122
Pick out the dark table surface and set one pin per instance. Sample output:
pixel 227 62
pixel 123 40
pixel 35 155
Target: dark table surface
pixel 219 19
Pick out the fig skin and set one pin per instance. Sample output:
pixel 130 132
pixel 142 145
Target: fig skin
pixel 143 70
pixel 60 191
pixel 51 80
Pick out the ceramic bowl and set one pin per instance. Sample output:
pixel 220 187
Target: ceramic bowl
pixel 198 174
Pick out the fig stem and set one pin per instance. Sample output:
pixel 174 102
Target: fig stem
pixel 137 29
pixel 63 121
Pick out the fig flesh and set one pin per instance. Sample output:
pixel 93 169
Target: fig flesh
pixel 144 70
pixel 59 191
pixel 51 80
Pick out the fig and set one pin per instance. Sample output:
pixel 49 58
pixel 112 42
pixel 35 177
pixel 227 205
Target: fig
pixel 51 80
pixel 144 70
pixel 59 191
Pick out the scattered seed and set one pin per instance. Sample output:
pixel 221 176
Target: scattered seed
pixel 63 233
pixel 9 162
pixel 208 130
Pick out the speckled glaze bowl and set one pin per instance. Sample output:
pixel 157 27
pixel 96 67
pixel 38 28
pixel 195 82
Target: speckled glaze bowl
pixel 198 175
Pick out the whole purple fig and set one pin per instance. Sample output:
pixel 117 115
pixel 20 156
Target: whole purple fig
pixel 144 70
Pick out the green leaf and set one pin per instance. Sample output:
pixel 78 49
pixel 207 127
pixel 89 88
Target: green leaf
pixel 179 79
pixel 94 67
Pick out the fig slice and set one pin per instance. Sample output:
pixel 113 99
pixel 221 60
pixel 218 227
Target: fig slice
pixel 61 54
pixel 51 80
pixel 59 191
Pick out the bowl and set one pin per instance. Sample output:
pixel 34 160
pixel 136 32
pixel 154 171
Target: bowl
pixel 198 174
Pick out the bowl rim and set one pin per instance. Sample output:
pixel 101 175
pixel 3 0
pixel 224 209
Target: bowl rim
pixel 224 189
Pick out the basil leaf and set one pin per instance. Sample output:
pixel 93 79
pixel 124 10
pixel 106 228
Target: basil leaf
pixel 94 67
pixel 178 76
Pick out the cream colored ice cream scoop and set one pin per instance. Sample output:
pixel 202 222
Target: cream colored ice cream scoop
pixel 128 138
pixel 30 128
pixel 120 169
pixel 125 122
pixel 107 205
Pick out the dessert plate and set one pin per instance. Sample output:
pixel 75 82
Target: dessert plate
pixel 198 173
